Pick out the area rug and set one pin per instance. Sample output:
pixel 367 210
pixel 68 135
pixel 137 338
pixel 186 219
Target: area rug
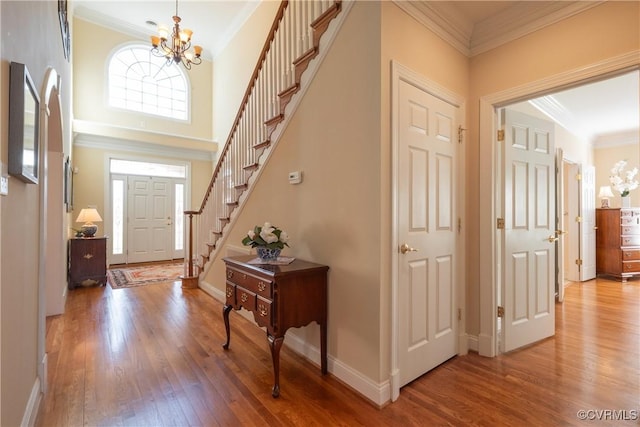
pixel 127 277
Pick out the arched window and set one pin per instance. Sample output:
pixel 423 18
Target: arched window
pixel 140 81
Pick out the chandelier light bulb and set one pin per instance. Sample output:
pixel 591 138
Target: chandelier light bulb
pixel 175 46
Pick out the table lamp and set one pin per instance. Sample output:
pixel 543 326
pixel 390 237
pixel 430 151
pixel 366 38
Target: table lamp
pixel 605 193
pixel 89 216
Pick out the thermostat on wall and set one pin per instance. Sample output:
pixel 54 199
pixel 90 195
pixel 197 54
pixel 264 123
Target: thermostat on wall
pixel 295 177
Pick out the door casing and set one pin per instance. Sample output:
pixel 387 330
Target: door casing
pixel 400 72
pixel 489 268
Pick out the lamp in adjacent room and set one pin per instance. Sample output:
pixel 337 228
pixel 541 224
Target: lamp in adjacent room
pixel 89 216
pixel 605 193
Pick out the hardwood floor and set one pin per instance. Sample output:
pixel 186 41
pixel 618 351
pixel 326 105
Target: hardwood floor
pixel 152 356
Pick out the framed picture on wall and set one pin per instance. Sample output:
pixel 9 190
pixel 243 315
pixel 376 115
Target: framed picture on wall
pixel 64 28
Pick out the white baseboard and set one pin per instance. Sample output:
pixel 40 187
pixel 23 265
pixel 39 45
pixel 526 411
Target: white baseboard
pixel 31 411
pixel 486 346
pixel 378 393
pixel 472 343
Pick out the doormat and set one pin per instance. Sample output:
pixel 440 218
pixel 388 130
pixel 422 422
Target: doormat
pixel 128 277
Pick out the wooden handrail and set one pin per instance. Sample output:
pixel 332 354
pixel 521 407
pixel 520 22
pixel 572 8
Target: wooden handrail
pixel 245 98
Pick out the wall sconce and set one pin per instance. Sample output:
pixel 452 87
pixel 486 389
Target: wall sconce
pixel 605 193
pixel 89 216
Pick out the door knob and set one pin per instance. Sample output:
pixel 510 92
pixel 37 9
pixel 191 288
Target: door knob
pixel 552 238
pixel 406 248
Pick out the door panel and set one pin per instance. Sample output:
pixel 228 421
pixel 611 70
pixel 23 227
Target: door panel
pixel 426 212
pixel 149 219
pixel 529 235
pixel 588 223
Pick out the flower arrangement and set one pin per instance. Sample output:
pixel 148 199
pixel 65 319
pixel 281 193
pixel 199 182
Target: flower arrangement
pixel 623 182
pixel 267 236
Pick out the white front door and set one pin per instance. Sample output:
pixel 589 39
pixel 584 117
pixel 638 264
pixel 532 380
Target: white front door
pixel 588 223
pixel 149 219
pixel 426 231
pixel 529 230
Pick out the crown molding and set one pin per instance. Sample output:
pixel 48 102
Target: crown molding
pixel 631 137
pixel 520 19
pixel 100 135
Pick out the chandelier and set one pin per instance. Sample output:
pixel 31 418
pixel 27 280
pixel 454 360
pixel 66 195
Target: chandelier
pixel 176 46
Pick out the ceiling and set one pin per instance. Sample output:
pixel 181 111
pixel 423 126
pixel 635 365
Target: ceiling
pixel 603 111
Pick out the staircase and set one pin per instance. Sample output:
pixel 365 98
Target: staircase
pixel 292 44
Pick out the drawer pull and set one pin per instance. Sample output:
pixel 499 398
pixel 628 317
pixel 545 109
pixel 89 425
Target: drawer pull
pixel 262 286
pixel 244 276
pixel 229 292
pixel 244 297
pixel 87 256
pixel 262 309
pixel 229 274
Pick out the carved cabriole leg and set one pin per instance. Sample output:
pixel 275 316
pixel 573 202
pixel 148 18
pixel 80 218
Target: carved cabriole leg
pixel 323 347
pixel 225 314
pixel 275 344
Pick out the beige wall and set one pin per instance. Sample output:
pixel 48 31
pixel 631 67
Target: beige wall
pixel 409 43
pixel 333 217
pixel 31 35
pixel 92 45
pixel 233 67
pixel 605 158
pixel 602 32
pixel 92 180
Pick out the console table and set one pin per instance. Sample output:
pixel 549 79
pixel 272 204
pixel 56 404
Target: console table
pixel 87 260
pixel 280 297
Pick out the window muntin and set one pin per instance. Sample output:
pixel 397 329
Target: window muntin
pixel 140 81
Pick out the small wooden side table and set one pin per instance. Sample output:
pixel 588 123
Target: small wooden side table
pixel 87 260
pixel 280 297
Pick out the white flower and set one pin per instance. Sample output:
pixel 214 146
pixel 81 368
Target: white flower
pixel 284 237
pixel 267 235
pixel 251 234
pixel 620 184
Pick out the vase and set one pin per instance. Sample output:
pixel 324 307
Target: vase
pixel 268 254
pixel 625 201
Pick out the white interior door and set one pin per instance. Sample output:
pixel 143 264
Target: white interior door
pixel 149 219
pixel 426 231
pixel 560 224
pixel 588 223
pixel 529 234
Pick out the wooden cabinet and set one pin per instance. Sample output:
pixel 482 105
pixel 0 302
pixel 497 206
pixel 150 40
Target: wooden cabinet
pixel 280 297
pixel 87 260
pixel 618 242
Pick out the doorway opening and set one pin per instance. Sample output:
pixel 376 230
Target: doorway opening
pixel 145 215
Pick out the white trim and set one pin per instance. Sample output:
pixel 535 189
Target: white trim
pixel 31 410
pixel 488 169
pixel 378 393
pixel 142 148
pixel 444 19
pixel 399 73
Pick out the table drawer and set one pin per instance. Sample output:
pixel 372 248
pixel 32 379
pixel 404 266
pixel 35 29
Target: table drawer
pixel 254 284
pixel 628 220
pixel 231 294
pixel 631 255
pixel 630 229
pixel 263 312
pixel 631 267
pixel 245 298
pixel 629 213
pixel 633 240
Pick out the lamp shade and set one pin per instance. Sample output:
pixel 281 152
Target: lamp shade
pixel 89 215
pixel 605 191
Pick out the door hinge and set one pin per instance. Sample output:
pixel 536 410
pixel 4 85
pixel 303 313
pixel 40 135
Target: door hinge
pixel 579 177
pixel 578 219
pixel 500 223
pixel 459 314
pixel 500 311
pixel 500 134
pixel 578 261
pixel 459 225
pixel 460 130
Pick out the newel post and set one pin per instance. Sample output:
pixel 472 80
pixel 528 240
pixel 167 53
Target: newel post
pixel 190 280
